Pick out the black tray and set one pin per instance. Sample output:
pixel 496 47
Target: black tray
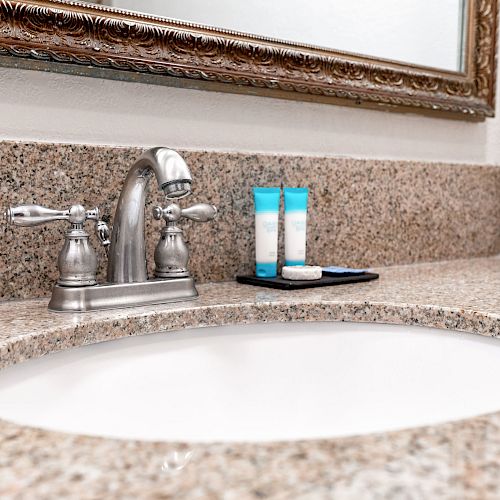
pixel 326 280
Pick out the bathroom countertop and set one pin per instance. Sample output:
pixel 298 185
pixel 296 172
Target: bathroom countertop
pixel 451 460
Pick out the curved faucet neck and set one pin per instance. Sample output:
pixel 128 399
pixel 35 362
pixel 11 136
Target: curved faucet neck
pixel 127 252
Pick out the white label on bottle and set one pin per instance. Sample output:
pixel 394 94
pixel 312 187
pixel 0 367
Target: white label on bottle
pixel 266 237
pixel 295 235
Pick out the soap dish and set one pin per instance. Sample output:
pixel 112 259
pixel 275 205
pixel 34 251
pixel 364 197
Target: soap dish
pixel 326 280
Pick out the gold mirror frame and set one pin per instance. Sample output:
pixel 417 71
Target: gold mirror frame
pixel 92 39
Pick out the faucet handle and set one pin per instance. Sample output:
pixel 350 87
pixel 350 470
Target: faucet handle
pixel 201 212
pixel 77 261
pixel 171 253
pixel 36 215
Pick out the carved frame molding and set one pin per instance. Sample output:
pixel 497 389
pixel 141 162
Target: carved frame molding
pixel 69 32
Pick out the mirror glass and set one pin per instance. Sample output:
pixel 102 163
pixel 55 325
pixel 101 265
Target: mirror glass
pixel 424 32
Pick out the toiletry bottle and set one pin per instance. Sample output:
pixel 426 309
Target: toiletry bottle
pixel 295 226
pixel 267 204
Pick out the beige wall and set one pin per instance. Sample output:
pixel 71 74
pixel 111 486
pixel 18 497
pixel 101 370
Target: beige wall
pixel 62 108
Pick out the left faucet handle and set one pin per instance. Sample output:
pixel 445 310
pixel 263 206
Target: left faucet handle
pixel 33 215
pixel 77 260
pixel 36 215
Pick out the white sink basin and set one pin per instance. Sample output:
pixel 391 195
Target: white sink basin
pixel 258 383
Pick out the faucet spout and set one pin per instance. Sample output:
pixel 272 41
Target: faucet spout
pixel 127 252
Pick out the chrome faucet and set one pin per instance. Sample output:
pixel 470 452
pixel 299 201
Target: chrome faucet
pixel 128 284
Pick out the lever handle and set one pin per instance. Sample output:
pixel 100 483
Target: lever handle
pixel 77 261
pixel 201 212
pixel 172 253
pixel 35 215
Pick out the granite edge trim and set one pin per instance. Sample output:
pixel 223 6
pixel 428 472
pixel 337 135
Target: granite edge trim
pixel 31 345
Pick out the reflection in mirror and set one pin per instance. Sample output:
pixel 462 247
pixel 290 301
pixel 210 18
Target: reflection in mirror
pixel 424 32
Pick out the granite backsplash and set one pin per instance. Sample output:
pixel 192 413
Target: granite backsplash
pixel 361 212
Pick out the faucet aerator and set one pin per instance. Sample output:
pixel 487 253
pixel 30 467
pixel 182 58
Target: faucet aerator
pixel 177 189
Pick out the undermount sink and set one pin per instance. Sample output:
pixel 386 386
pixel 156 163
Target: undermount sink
pixel 265 382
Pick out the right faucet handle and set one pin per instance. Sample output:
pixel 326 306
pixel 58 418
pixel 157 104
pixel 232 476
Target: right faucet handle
pixel 171 253
pixel 201 212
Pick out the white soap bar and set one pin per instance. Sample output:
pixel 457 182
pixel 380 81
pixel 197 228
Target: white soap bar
pixel 301 272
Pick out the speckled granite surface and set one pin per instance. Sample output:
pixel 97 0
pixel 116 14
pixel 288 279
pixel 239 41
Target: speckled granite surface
pixel 362 212
pixel 457 460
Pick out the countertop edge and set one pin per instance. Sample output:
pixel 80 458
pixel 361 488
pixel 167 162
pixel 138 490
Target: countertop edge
pixel 189 315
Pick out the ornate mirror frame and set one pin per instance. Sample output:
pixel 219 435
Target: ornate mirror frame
pixel 94 40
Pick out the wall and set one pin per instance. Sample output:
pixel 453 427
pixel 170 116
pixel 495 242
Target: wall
pixel 51 107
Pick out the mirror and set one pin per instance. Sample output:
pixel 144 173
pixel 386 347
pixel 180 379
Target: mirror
pixel 425 32
pixel 425 56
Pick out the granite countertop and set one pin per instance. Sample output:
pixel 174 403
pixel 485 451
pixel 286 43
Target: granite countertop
pixel 452 460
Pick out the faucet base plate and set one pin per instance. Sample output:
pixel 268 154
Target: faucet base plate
pixel 120 295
